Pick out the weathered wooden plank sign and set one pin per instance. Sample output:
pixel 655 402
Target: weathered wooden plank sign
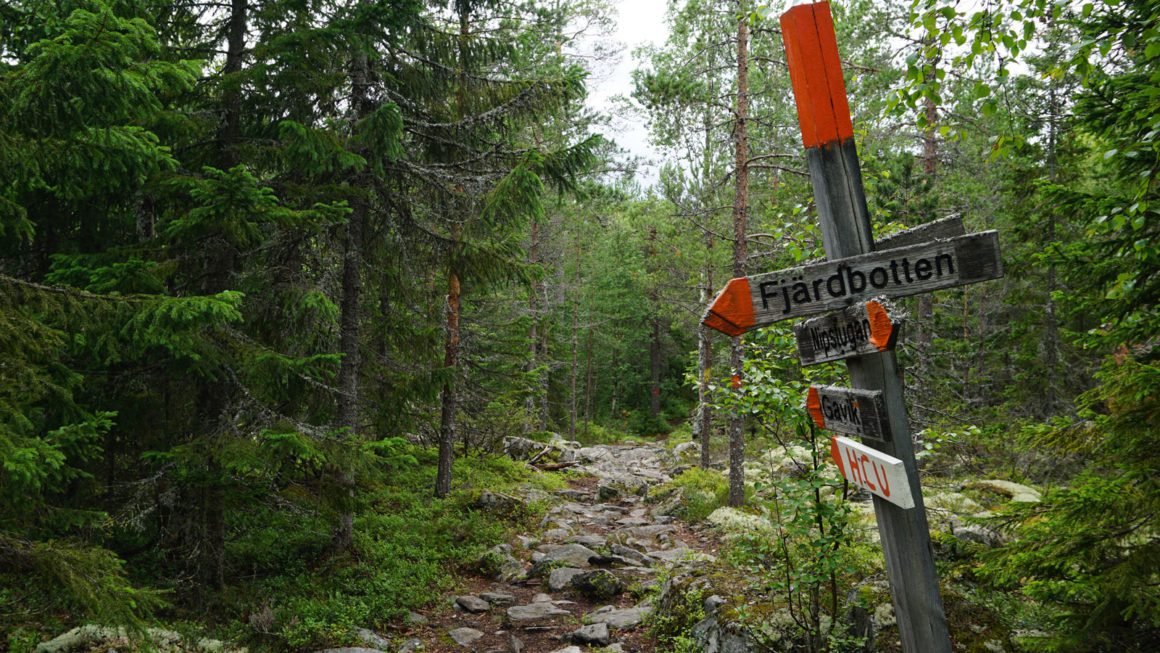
pixel 872 470
pixel 854 412
pixel 866 328
pixel 943 228
pixel 748 303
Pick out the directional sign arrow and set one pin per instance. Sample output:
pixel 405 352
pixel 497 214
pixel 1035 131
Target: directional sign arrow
pixel 748 303
pixel 850 411
pixel 872 471
pixel 866 328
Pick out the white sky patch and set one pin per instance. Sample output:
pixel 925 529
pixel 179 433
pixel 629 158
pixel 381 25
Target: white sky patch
pixel 639 22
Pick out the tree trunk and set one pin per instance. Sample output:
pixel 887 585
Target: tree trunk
pixel 532 403
pixel 451 366
pixel 654 348
pixel 703 425
pixel 924 324
pixel 349 334
pixel 588 382
pixel 704 418
pixel 740 248
pixel 230 132
pixel 1050 320
pixel 448 397
pixel 572 406
pixel 221 264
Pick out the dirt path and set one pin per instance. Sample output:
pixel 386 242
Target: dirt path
pixel 582 583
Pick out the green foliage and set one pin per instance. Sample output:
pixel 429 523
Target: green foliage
pixel 1087 551
pixel 409 549
pixel 703 491
pixel 672 625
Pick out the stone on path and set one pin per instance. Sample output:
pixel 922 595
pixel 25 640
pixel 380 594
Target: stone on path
pixel 499 504
pixel 412 645
pixel 534 613
pixel 592 634
pixel 542 598
pixel 472 603
pixel 620 619
pixel 556 535
pixel 498 598
pixel 650 532
pixel 465 636
pixel 590 540
pixel 499 564
pixel 343 649
pixel 372 639
pixel 600 584
pixel 631 554
pixel 574 555
pixel 569 649
pixel 561 578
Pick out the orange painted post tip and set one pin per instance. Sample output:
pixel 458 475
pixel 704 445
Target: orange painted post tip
pixel 732 311
pixel 814 406
pixel 881 326
pixel 815 72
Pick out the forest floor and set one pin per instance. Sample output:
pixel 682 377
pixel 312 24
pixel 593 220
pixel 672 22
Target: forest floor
pixel 562 600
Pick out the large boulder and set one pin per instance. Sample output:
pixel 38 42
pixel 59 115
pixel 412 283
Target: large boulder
pixel 1016 492
pixel 89 637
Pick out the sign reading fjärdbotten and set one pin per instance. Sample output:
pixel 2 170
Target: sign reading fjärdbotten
pixel 856 412
pixel 748 303
pixel 866 328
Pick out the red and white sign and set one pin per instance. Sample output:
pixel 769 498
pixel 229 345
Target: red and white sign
pixel 872 471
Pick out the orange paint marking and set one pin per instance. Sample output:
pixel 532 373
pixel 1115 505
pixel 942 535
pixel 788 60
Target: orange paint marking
pixel 736 381
pixel 732 310
pixel 716 322
pixel 836 454
pixel 881 328
pixel 814 406
pixel 815 72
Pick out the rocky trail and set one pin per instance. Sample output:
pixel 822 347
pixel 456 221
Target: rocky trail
pixel 579 584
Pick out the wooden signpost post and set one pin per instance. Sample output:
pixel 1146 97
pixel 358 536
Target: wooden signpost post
pixel 856 272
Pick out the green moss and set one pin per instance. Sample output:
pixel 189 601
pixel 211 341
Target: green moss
pixel 702 492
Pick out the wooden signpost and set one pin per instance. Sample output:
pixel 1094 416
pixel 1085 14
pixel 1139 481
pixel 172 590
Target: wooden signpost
pixel 866 328
pixel 855 412
pixel 932 257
